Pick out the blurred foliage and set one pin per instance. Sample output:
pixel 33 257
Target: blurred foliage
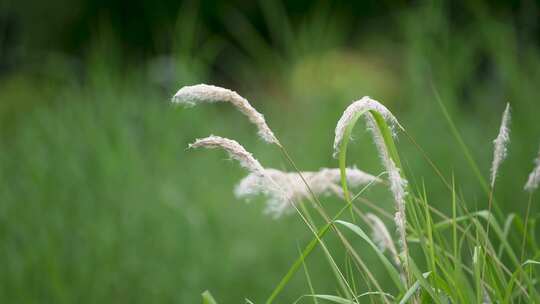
pixel 100 201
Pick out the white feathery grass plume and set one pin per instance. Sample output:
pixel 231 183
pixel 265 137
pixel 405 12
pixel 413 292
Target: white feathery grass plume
pixel 291 188
pixel 500 143
pixel 235 151
pixel 201 93
pixel 260 177
pixel 381 236
pixel 362 105
pixel 397 183
pixel 397 186
pixel 485 297
pixel 534 177
pixel 322 180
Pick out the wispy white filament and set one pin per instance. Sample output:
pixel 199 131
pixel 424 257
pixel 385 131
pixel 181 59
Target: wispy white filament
pixel 291 188
pixel 397 183
pixel 500 143
pixel 360 106
pixel 201 93
pixel 235 151
pixel 534 177
pixel 260 177
pixel 381 236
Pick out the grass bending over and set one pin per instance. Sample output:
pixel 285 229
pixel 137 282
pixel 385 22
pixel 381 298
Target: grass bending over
pixel 453 258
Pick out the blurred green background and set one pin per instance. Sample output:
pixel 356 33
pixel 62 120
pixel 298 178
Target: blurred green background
pixel 101 203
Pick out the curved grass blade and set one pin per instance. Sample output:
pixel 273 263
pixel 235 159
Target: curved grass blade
pixel 530 262
pixel 340 300
pixel 394 275
pixel 300 260
pixel 506 231
pixel 383 138
pixel 412 290
pixel 388 140
pixel 207 298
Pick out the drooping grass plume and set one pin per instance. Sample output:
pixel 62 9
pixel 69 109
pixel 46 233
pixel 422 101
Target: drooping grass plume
pixel 363 105
pixel 201 93
pixel 398 184
pixel 500 143
pixel 381 122
pixel 534 176
pixel 234 149
pixel 323 182
pixel 261 178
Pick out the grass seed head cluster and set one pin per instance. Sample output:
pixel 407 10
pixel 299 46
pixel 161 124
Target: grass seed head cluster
pixel 284 190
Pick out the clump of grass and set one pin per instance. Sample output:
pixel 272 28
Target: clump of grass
pixel 454 259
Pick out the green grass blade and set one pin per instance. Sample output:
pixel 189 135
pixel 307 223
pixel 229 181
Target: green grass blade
pixel 477 263
pixel 394 275
pixel 386 133
pixel 412 290
pixel 506 231
pixel 207 298
pixel 343 155
pixel 308 278
pixel 340 300
pixel 297 263
pixel 300 260
pixel 530 262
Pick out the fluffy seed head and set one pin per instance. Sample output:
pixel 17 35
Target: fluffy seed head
pixel 500 143
pixel 288 188
pixel 534 177
pixel 381 236
pixel 235 151
pixel 398 184
pixel 360 106
pixel 201 93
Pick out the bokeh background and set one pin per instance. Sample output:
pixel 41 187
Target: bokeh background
pixel 101 203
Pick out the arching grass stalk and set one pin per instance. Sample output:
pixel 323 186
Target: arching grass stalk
pixel 376 117
pixel 246 159
pixel 191 95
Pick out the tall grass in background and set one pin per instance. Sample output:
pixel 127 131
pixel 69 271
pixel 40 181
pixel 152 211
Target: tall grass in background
pixel 100 202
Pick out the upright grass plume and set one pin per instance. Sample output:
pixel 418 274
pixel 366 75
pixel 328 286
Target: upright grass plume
pixel 534 176
pixel 500 143
pixel 203 93
pixel 382 123
pixel 323 182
